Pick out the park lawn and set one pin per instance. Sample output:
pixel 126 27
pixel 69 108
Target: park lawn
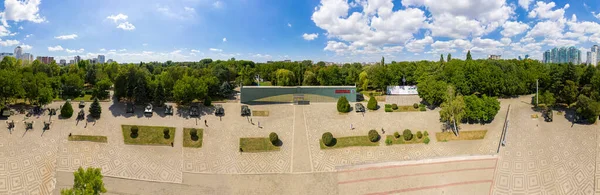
pixel 401 140
pixel 148 135
pixel 265 83
pixel 464 135
pixel 85 98
pixel 89 138
pixel 257 144
pixel 260 113
pixel 187 138
pixel 342 142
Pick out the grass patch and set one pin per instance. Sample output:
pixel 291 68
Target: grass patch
pixel 534 116
pixel 464 135
pixel 401 108
pixel 342 142
pixel 368 93
pixel 265 83
pixel 148 135
pixel 88 138
pixel 85 98
pixel 400 140
pixel 187 138
pixel 257 144
pixel 260 113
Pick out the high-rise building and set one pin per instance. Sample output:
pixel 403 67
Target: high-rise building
pixel 71 62
pixel 494 57
pixel 2 55
pixel 27 58
pixel 63 62
pixel 101 59
pixel 18 52
pixel 592 58
pixel 76 59
pixel 596 49
pixel 45 59
pixel 562 55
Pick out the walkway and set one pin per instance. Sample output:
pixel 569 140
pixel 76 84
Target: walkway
pixel 301 155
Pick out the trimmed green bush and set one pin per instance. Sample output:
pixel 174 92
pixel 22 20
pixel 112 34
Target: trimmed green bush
pixel 372 105
pixel 67 110
pixel 95 109
pixel 388 141
pixel 396 135
pixel 426 140
pixel 422 109
pixel 166 132
pixel 134 131
pixel 327 139
pixel 407 134
pixel 389 110
pixel 274 138
pixel 395 106
pixel 419 134
pixel 415 105
pixel 343 105
pixel 426 134
pixel 194 134
pixel 373 135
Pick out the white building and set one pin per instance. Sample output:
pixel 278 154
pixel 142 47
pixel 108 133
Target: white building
pixel 2 55
pixel 18 52
pixel 592 58
pixel 101 59
pixel 27 58
pixel 71 62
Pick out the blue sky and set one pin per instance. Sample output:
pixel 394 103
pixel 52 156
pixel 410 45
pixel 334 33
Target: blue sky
pixel 327 30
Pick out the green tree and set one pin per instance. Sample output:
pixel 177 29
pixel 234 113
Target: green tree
pixel 469 55
pixel 442 58
pixel 453 109
pixel 8 63
pixel 587 108
pixel 86 182
pixel 382 61
pixel 225 89
pixel 72 86
pixel 343 105
pixel 284 77
pixel 67 110
pixel 449 57
pixel 363 80
pixel 310 79
pixel 372 104
pixel 101 89
pixel 141 92
pixel 159 96
pixel 569 92
pixel 95 109
pixel 432 91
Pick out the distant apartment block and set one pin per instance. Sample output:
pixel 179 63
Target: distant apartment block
pixel 45 59
pixel 101 59
pixel 495 57
pixel 27 58
pixel 2 55
pixel 592 58
pixel 63 62
pixel 562 55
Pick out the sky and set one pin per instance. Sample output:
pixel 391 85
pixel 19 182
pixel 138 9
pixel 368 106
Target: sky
pixel 318 30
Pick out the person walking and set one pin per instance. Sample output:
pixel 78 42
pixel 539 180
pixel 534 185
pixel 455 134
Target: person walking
pixel 205 124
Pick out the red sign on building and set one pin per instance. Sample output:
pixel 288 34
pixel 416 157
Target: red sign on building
pixel 342 91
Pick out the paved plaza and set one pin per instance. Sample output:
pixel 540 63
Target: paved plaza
pixel 539 157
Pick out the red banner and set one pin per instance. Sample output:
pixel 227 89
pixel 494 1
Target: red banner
pixel 342 91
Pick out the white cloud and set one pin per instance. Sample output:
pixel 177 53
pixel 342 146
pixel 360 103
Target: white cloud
pixel 102 49
pixel 310 37
pixel 267 56
pixel 450 46
pixel 126 26
pixel 215 50
pixel 218 4
pixel 513 28
pixel 224 39
pixel 145 44
pixel 122 50
pixel 75 51
pixel 66 37
pixel 189 9
pixel 195 51
pixel 178 13
pixel 112 50
pixel 118 17
pixel 20 27
pixel 26 47
pixel 596 15
pixel 55 48
pixel 289 25
pixel 525 4
pixel 17 11
pixel 8 43
pixel 419 45
pixel 544 10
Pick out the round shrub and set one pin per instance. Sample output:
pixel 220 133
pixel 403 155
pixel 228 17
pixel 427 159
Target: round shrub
pixel 415 105
pixel 396 135
pixel 395 106
pixel 419 134
pixel 422 109
pixel 407 134
pixel 166 132
pixel 426 140
pixel 388 141
pixel 373 135
pixel 274 138
pixel 372 105
pixel 67 110
pixel 343 105
pixel 426 134
pixel 327 139
pixel 194 134
pixel 134 131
